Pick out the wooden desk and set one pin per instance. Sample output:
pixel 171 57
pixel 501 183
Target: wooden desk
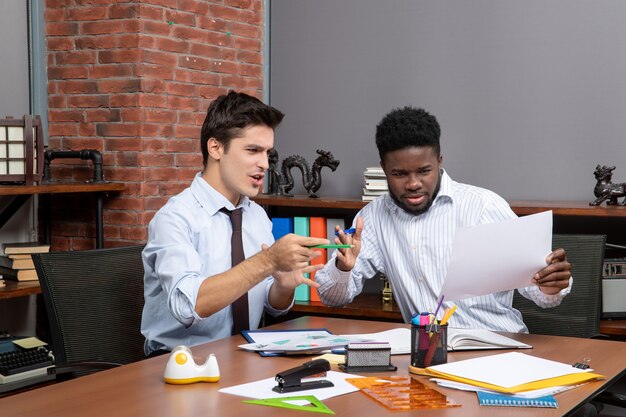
pixel 21 193
pixel 138 390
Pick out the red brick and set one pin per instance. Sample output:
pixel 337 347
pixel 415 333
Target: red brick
pixel 103 115
pixel 65 116
pixel 167 3
pixel 242 4
pixel 132 114
pixel 242 29
pixel 63 73
pixel 222 12
pixel 180 18
pixel 88 101
pixel 155 203
pixel 182 89
pixel 172 45
pixel 101 28
pixel 182 145
pixel 125 144
pixel 124 159
pixel 154 144
pixel 111 71
pixel 204 50
pixel 197 77
pixel 211 23
pixel 60 44
pixel 123 217
pixel 147 216
pixel 194 63
pixel 133 234
pixel 186 131
pixel 224 67
pixel 251 70
pixel 125 100
pixel 172 188
pixel 194 6
pixel 160 174
pixel 250 17
pixel 87 129
pixel 186 118
pixel 81 57
pixel 238 82
pixel 124 173
pixel 127 40
pixel 62 129
pixel 220 39
pixel 145 41
pixel 123 11
pixel 60 28
pixel 189 160
pixel 57 101
pixel 127 203
pixel 153 86
pixel 156 159
pixel 182 103
pixel 117 129
pixel 157 28
pixel 150 12
pixel 54 15
pixel 155 71
pixel 86 13
pixel 95 42
pixel 119 86
pixel 148 188
pixel 162 58
pixel 119 56
pixel 248 44
pixel 152 100
pixel 83 143
pixel 187 174
pixel 132 26
pixel 250 57
pixel 182 32
pixel 147 130
pixel 77 87
pixel 163 116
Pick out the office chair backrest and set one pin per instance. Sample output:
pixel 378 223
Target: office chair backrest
pixel 94 300
pixel 579 313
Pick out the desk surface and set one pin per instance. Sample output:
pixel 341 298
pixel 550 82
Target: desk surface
pixel 137 389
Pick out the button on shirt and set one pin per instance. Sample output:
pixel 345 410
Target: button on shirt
pixel 414 252
pixel 188 241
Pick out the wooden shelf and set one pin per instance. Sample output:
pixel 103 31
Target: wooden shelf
pixel 60 188
pixel 14 289
pixel 304 201
pixel 366 306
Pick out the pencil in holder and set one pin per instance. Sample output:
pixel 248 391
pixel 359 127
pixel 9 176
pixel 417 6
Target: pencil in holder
pixel 429 345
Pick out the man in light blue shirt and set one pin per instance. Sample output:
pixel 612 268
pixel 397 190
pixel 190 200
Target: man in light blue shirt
pixel 189 281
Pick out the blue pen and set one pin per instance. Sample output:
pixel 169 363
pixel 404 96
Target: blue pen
pixel 349 231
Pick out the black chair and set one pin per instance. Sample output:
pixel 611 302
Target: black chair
pixel 94 301
pixel 579 313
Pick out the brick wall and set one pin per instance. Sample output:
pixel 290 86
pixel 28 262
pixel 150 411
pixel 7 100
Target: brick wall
pixel 133 80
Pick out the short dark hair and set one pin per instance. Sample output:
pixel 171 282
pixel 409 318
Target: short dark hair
pixel 229 114
pixel 406 128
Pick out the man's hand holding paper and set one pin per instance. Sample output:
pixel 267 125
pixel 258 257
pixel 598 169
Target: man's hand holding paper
pixel 496 257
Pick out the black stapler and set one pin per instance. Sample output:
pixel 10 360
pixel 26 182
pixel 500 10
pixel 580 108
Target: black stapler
pixel 291 379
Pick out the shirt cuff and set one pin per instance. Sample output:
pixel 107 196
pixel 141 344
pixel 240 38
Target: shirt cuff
pixel 183 301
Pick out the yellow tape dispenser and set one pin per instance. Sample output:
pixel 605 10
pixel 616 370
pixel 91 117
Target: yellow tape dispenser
pixel 181 368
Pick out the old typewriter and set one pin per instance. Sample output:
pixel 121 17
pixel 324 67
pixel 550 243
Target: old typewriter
pixel 20 367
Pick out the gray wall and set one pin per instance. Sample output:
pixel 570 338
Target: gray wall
pixel 14 75
pixel 530 95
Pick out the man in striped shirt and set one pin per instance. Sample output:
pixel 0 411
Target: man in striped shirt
pixel 407 234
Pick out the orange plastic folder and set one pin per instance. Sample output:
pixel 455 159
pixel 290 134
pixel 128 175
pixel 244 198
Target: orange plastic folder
pixel 512 373
pixel 317 228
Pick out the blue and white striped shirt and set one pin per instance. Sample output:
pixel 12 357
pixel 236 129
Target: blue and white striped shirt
pixel 414 252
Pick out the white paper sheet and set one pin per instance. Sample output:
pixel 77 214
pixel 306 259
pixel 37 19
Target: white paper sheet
pixel 263 389
pixel 496 257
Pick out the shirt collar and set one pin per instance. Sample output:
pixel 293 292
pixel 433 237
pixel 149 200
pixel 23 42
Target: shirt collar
pixel 211 199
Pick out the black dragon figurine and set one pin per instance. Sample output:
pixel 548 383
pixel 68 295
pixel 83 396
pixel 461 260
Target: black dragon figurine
pixel 282 182
pixel 605 189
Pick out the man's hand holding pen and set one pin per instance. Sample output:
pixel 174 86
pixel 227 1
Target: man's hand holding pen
pixel 346 258
pixel 554 277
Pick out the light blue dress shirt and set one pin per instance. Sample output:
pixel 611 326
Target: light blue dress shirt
pixel 188 241
pixel 414 252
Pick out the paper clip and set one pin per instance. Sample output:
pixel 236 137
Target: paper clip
pixel 582 365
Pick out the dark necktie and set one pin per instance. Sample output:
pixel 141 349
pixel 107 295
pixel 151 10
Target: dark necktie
pixel 240 306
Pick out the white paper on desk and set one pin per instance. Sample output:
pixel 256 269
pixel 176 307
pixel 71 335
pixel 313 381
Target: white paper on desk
pixel 495 257
pixel 535 393
pixel 263 389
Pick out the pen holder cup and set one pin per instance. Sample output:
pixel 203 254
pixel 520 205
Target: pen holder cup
pixel 429 345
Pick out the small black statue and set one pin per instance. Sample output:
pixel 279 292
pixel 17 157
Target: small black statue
pixel 605 189
pixel 282 182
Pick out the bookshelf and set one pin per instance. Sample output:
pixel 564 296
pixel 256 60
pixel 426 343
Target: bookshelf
pixel 569 217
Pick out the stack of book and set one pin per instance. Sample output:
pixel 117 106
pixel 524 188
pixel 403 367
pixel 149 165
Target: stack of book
pixel 375 183
pixel 308 226
pixel 17 262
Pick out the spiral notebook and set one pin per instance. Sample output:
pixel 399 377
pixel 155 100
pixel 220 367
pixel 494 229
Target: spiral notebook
pixel 503 400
